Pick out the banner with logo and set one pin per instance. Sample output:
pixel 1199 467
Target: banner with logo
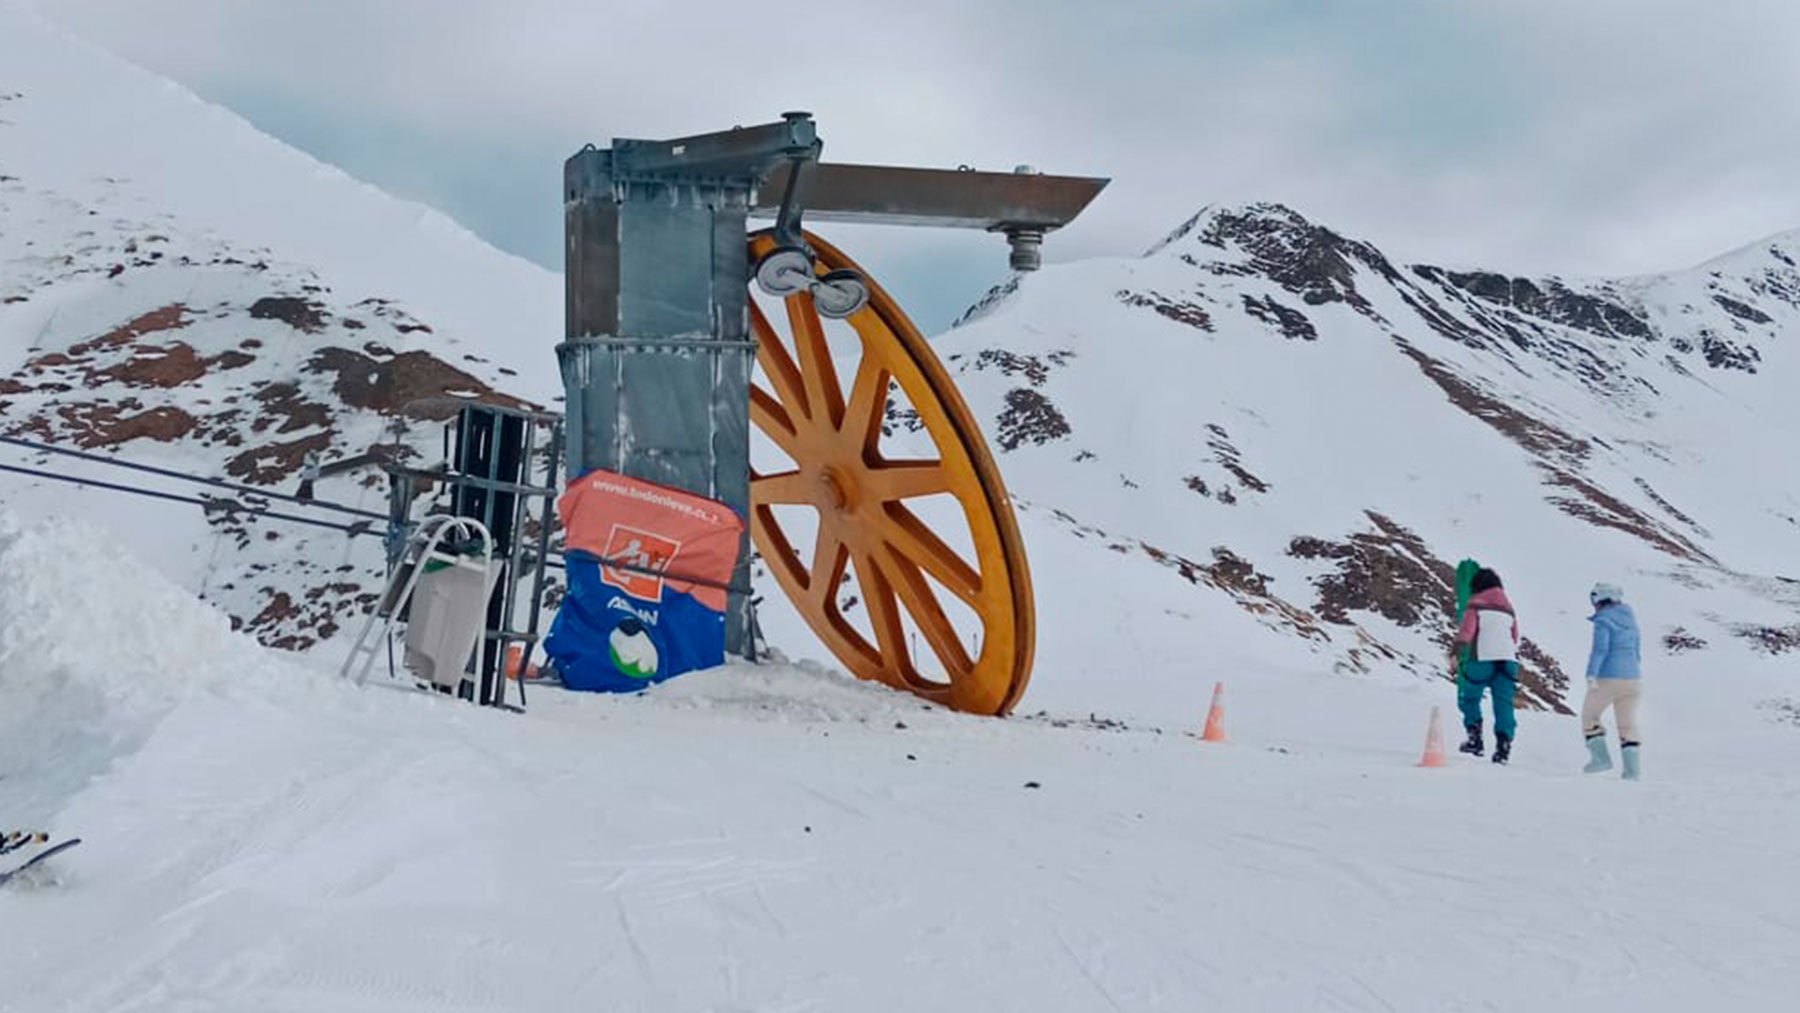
pixel 648 566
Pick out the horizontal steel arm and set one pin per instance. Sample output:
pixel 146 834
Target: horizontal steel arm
pixel 892 195
pixel 741 153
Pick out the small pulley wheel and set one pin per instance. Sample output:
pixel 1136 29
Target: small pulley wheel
pixel 838 294
pixel 785 271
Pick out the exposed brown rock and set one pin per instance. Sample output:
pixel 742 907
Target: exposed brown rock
pixel 1035 370
pixel 1742 311
pixel 169 318
pixel 108 424
pixel 1538 437
pixel 1231 460
pixel 284 404
pixel 1309 260
pixel 1680 641
pixel 163 366
pixel 1598 507
pixel 1179 310
pixel 390 386
pixel 1771 639
pixel 1548 300
pixel 1239 579
pixel 1290 322
pixel 1029 417
pixel 1668 508
pixel 300 314
pixel 275 462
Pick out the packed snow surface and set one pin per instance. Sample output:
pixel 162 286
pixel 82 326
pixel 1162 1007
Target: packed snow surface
pixel 1251 456
pixel 259 836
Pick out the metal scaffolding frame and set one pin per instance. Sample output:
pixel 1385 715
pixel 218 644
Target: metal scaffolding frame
pixel 506 506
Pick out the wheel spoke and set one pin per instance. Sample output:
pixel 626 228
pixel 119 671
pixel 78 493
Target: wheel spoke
pixel 787 488
pixel 774 421
pixel 912 541
pixel 827 565
pixel 884 614
pixel 867 408
pixel 922 602
pixel 777 364
pixel 892 481
pixel 823 395
pixel 779 552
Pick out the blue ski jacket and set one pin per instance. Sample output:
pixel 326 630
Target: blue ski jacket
pixel 1615 651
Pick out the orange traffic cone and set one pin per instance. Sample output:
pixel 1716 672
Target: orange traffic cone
pixel 1434 743
pixel 1215 716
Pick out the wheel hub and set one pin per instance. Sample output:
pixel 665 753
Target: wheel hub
pixel 837 491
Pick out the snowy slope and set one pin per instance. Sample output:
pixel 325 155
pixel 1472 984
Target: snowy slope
pixel 260 836
pixel 182 290
pixel 1258 448
pixel 1325 434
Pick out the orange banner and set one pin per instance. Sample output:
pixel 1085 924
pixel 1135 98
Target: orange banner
pixel 648 536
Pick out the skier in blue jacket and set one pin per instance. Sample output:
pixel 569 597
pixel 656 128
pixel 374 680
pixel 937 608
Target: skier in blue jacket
pixel 1613 680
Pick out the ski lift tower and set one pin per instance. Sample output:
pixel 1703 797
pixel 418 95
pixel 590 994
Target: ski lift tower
pixel 662 337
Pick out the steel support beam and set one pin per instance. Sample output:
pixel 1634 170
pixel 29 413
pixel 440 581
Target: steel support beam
pixel 947 198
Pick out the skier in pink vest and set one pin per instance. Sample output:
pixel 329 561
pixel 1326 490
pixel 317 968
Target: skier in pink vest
pixel 1490 630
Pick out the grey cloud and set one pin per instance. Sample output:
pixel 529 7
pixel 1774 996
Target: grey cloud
pixel 1596 137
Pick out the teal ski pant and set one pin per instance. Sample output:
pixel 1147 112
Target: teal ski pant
pixel 1477 678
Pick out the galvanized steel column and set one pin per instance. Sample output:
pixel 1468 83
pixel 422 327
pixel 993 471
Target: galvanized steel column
pixel 657 353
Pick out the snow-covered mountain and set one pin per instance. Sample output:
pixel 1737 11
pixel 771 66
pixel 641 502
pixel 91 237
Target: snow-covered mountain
pixel 1261 446
pixel 1291 418
pixel 181 290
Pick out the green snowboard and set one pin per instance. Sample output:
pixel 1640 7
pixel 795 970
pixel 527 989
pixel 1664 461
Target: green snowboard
pixel 1465 575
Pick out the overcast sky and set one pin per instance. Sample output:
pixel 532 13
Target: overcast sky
pixel 1575 136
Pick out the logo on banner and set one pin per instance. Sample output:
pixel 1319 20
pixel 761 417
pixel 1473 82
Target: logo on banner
pixel 634 654
pixel 642 556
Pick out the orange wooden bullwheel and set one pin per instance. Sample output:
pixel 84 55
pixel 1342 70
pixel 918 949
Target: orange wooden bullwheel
pixel 907 578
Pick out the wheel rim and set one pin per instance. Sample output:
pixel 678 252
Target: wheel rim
pixel 832 433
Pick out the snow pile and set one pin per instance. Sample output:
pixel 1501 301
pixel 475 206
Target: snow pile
pixel 803 693
pixel 180 290
pixel 95 648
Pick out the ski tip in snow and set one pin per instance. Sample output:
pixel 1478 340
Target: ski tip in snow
pixel 32 862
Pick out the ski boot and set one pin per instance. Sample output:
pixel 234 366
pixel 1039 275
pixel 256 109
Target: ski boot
pixel 1472 745
pixel 1598 758
pixel 1628 755
pixel 13 840
pixel 1502 747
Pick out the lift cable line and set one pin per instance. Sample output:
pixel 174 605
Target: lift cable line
pixel 243 490
pixel 204 502
pixel 555 559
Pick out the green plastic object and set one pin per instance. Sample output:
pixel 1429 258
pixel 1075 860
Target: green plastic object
pixel 1465 576
pixel 436 563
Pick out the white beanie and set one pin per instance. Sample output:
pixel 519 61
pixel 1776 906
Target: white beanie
pixel 1604 591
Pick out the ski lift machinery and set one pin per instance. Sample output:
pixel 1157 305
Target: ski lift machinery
pixel 660 362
